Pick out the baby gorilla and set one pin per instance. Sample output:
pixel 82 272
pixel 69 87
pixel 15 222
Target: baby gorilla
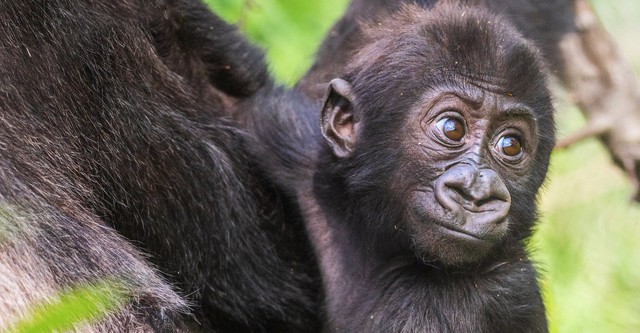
pixel 436 140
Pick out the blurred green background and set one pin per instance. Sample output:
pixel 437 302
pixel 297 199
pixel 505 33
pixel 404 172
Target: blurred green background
pixel 588 241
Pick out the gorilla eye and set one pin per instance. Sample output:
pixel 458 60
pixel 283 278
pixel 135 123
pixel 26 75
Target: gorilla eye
pixel 510 145
pixel 452 128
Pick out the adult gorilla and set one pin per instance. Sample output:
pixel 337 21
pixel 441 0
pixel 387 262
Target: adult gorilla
pixel 116 157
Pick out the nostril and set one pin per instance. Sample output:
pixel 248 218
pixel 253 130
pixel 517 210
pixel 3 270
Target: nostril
pixel 461 193
pixel 485 201
pixel 466 186
pixel 476 200
pixel 477 196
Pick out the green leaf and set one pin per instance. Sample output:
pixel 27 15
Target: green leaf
pixel 72 308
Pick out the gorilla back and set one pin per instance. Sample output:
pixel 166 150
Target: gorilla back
pixel 113 146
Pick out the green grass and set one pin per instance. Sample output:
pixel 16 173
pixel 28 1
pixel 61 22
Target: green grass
pixel 588 241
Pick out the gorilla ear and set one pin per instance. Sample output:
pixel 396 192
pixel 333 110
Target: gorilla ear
pixel 339 126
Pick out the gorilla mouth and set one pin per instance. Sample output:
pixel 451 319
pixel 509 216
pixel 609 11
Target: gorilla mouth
pixel 460 232
pixel 488 206
pixel 460 220
pixel 487 223
pixel 471 224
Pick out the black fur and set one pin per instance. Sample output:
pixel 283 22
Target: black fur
pixel 113 144
pixel 354 210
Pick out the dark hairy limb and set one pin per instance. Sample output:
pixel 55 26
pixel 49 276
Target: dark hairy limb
pixel 116 140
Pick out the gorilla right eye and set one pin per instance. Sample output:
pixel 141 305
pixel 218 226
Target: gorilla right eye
pixel 510 146
pixel 452 128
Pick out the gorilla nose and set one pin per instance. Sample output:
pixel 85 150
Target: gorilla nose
pixel 477 191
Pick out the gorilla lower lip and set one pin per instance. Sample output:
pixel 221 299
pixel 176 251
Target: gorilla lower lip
pixel 460 233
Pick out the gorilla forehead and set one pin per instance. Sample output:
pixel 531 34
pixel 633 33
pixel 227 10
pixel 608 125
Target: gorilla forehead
pixel 444 46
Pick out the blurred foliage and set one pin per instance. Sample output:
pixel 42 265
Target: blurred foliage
pixel 288 30
pixel 72 308
pixel 620 17
pixel 588 242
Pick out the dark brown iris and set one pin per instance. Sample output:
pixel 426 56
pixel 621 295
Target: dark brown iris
pixel 452 128
pixel 510 145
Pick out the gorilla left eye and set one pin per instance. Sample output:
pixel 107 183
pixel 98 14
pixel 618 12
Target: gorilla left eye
pixel 452 128
pixel 510 145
